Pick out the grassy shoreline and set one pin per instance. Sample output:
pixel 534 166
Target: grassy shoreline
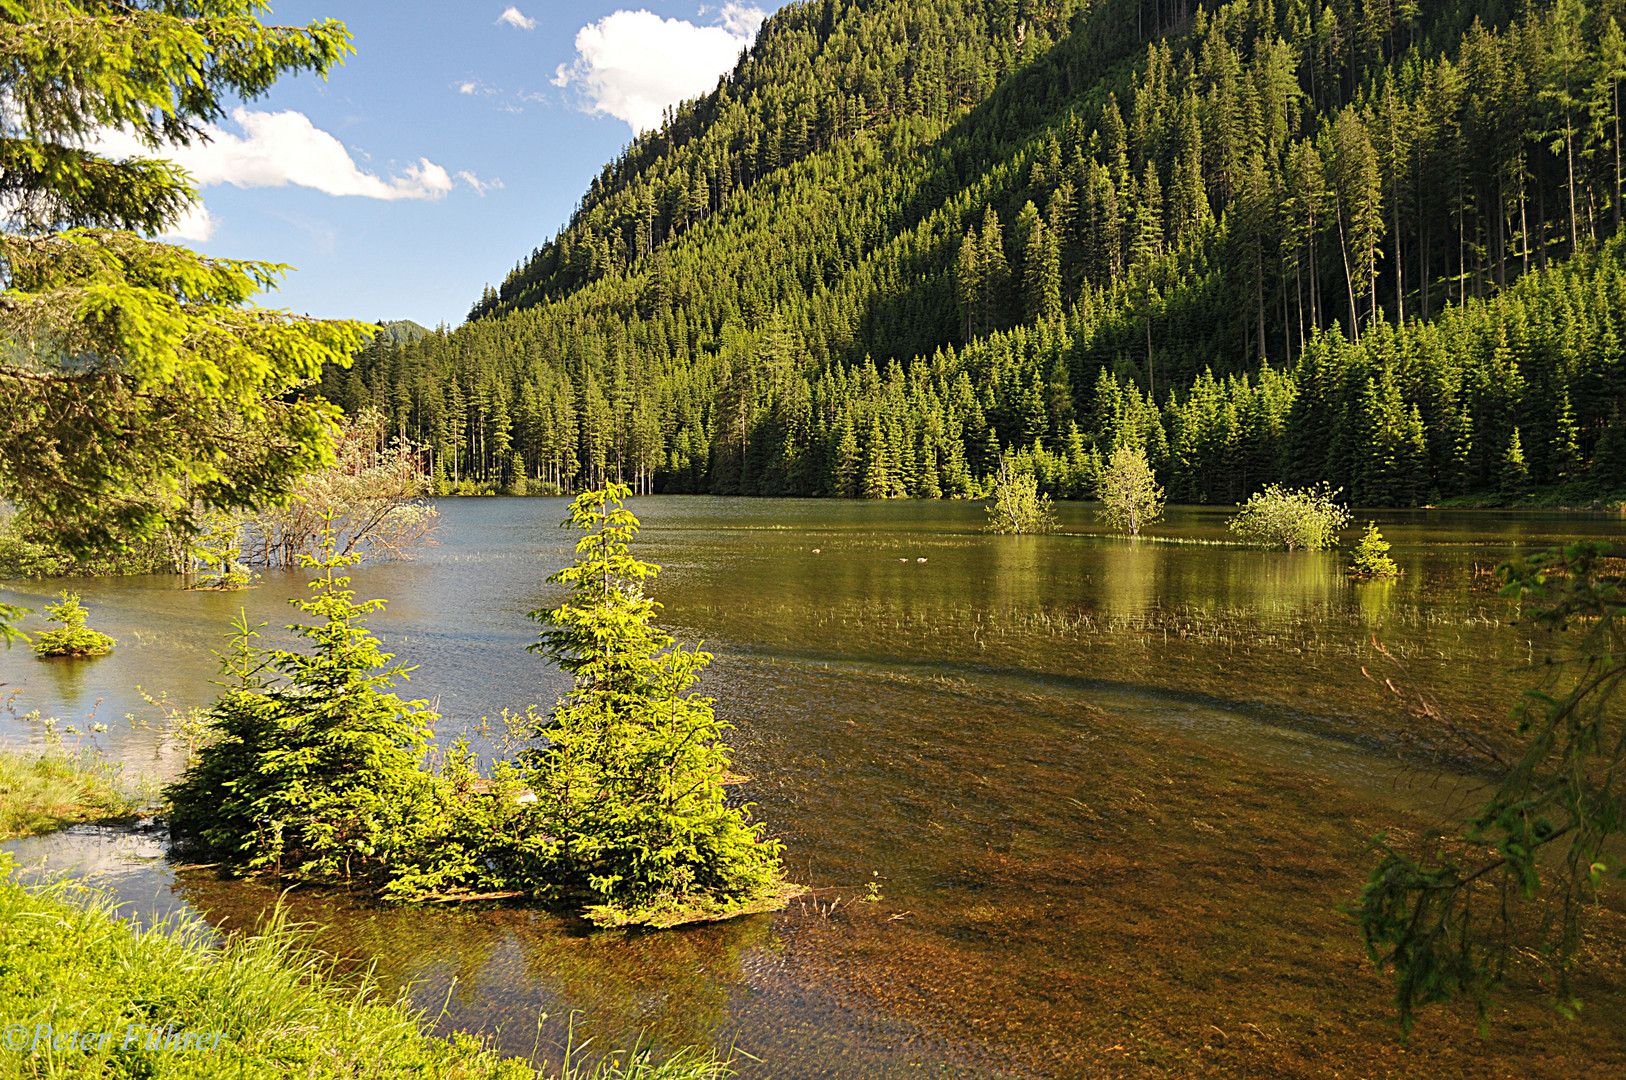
pixel 259 1005
pixel 59 787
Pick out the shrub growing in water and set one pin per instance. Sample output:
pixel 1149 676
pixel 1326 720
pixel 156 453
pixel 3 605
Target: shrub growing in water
pixel 630 780
pixel 75 638
pixel 1372 555
pixel 217 553
pixel 317 772
pixel 313 768
pixel 1018 507
pixel 1291 518
pixel 1129 493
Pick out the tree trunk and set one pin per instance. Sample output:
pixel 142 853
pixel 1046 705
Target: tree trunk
pixel 1349 281
pixel 1569 153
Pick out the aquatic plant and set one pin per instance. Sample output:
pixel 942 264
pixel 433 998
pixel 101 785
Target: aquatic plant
pixel 61 786
pixel 1017 505
pixel 1129 493
pixel 1291 518
pixel 75 639
pixel 1372 555
pixel 629 780
pixel 1448 920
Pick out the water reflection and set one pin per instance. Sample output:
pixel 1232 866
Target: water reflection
pixel 1375 598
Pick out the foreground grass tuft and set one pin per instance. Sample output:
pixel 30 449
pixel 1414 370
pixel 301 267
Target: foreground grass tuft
pixel 280 1008
pixel 57 788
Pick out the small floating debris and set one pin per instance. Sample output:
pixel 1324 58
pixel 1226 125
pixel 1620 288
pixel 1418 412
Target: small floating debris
pixel 463 898
pixel 922 559
pixel 815 551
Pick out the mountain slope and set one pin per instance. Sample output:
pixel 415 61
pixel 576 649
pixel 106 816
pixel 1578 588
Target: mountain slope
pixel 1347 241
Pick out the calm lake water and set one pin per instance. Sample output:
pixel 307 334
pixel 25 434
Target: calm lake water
pixel 1113 793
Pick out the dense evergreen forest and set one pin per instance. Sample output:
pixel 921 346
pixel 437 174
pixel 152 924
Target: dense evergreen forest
pixel 1366 241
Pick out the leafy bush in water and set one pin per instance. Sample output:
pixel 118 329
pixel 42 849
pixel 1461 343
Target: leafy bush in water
pixel 1291 518
pixel 1372 555
pixel 1129 493
pixel 74 639
pixel 1018 507
pixel 216 556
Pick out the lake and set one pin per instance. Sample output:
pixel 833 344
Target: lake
pixel 1112 793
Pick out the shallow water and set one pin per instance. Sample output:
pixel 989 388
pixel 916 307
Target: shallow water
pixel 1112 792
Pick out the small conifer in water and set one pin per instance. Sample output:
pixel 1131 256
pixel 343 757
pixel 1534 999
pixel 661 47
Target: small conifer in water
pixel 630 781
pixel 75 638
pixel 312 768
pixel 1372 555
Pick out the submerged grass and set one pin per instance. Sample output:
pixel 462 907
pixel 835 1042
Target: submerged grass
pixel 56 788
pixel 264 1004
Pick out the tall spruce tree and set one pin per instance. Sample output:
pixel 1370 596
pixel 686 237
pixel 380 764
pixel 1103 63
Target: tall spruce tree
pixel 630 780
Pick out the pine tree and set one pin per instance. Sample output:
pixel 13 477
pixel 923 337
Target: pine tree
pixel 1515 474
pixel 137 378
pixel 315 773
pixel 629 782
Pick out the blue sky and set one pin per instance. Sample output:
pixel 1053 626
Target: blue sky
pixel 457 138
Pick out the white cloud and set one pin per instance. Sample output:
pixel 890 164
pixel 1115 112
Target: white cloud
pixel 196 226
pixel 480 186
pixel 633 64
pixel 467 87
pixel 284 148
pixel 513 18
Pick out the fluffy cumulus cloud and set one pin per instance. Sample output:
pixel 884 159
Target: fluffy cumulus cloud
pixel 279 149
pixel 633 64
pixel 512 17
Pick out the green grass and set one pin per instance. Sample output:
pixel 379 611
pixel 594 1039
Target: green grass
pixel 57 788
pixel 280 1008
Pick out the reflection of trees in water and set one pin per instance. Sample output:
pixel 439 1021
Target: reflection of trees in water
pixel 496 972
pixel 1375 597
pixel 1134 577
pixel 1129 576
pixel 67 680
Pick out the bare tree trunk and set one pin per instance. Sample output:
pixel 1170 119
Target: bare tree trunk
pixel 1349 281
pixel 1569 151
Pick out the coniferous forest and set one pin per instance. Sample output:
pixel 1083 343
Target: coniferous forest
pixel 1372 243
